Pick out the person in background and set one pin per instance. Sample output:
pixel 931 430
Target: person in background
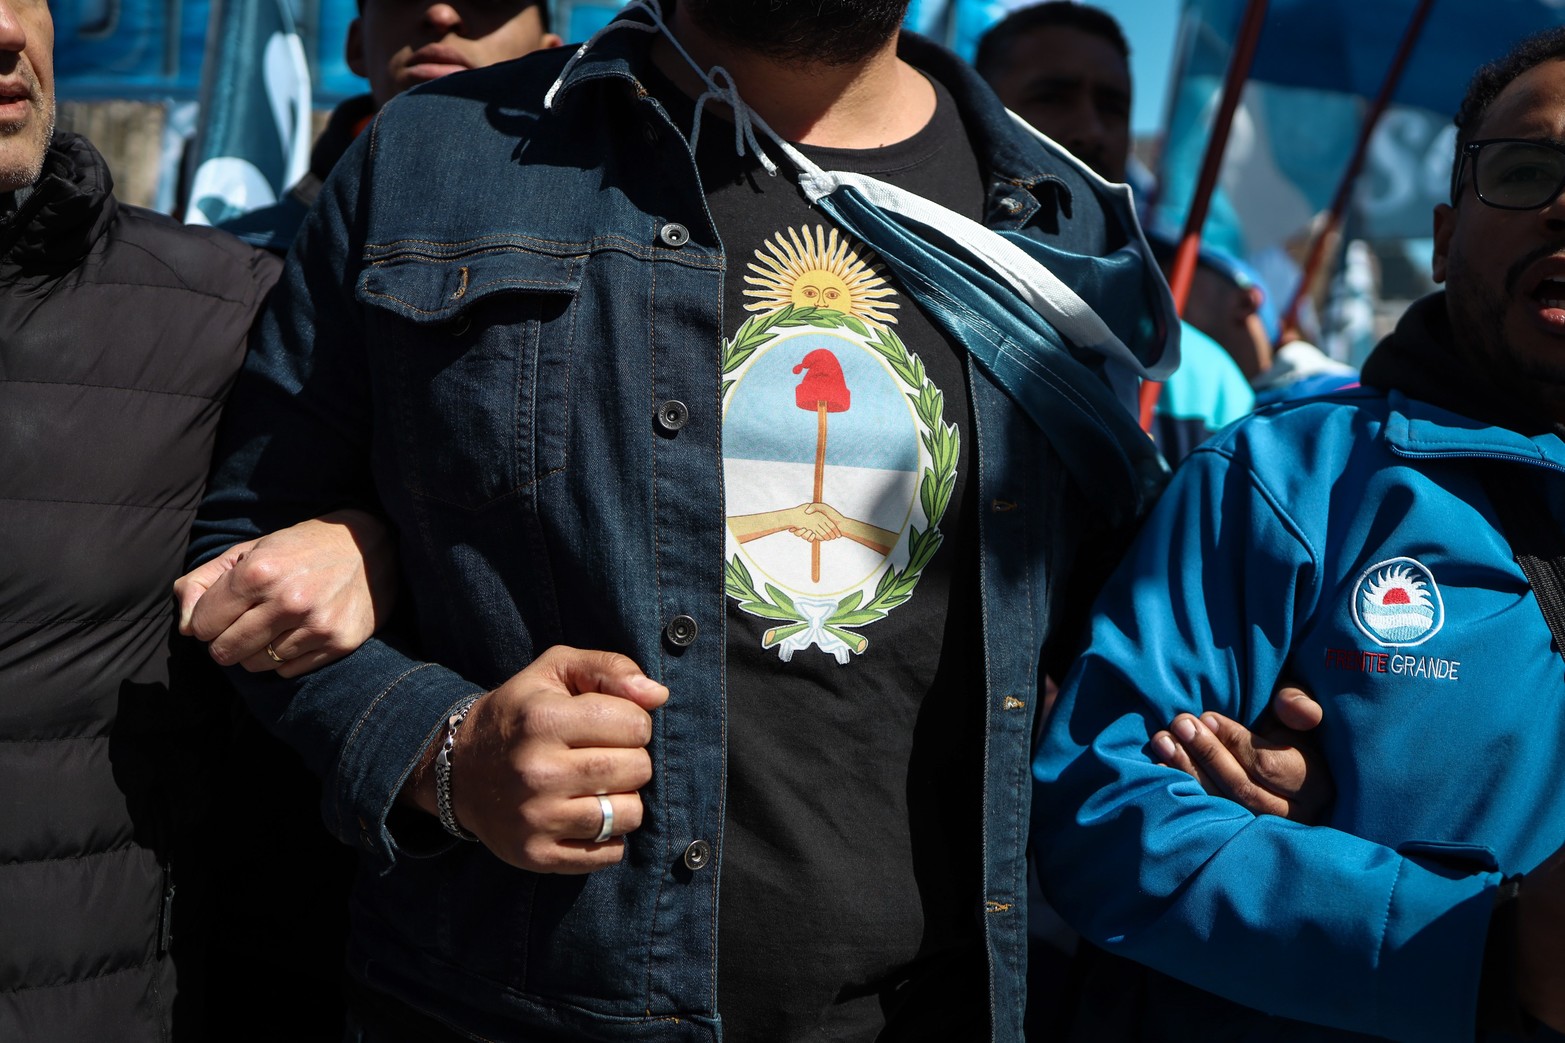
pixel 397 44
pixel 1229 301
pixel 1399 548
pixel 1065 68
pixel 120 334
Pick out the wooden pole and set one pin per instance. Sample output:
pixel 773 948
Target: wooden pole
pixel 1183 273
pixel 1339 203
pixel 820 483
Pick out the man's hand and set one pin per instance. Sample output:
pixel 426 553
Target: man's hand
pixel 314 592
pixel 1540 942
pixel 533 755
pixel 1274 770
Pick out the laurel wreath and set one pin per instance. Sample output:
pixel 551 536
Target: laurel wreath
pixel 941 441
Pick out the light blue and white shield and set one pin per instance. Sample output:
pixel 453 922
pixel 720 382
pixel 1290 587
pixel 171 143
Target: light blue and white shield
pixel 1397 603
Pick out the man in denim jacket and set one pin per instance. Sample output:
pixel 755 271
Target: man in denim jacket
pixel 620 391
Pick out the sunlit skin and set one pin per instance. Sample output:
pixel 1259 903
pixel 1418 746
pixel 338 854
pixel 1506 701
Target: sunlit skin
pixel 864 104
pixel 1500 266
pixel 26 90
pixel 1075 87
pixel 1227 312
pixel 397 44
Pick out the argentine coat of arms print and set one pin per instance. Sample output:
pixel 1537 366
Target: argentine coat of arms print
pixel 837 460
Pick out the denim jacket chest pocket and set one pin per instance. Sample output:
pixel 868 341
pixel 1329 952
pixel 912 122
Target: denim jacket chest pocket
pixel 472 343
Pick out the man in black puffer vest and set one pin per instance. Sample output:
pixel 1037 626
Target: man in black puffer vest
pixel 120 332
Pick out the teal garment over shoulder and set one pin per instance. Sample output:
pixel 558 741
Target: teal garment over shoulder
pixel 1204 395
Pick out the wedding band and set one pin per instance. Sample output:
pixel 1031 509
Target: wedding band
pixel 607 829
pixel 273 653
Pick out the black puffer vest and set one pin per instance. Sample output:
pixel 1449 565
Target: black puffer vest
pixel 120 332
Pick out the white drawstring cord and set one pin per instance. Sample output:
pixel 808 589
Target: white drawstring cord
pixel 718 82
pixel 745 121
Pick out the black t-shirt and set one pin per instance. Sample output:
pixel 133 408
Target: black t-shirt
pixel 852 848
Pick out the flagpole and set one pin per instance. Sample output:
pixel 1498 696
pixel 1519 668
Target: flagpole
pixel 1339 203
pixel 1183 273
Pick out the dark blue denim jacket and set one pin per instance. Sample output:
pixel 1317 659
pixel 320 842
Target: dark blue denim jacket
pixel 474 336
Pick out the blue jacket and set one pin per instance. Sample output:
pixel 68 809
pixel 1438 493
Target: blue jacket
pixel 1346 544
pixel 474 335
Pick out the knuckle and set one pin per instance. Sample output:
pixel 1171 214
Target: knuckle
pixel 599 764
pixel 541 853
pixel 535 818
pixel 256 572
pixel 536 774
pixel 540 717
pixel 295 601
pixel 629 817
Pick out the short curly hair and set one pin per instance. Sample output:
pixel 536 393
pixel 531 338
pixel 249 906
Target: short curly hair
pixel 1492 79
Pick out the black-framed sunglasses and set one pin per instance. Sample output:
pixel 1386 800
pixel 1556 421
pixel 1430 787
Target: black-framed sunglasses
pixel 1512 173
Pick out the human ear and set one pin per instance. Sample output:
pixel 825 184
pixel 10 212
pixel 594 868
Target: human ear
pixel 353 51
pixel 1445 227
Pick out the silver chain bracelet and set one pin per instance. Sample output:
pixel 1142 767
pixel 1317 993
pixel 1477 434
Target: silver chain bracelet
pixel 443 772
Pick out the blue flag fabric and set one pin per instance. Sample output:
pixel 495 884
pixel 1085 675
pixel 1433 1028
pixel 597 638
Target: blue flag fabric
pixel 1317 64
pixel 255 134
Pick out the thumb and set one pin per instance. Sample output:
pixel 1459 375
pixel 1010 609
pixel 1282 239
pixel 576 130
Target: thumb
pixel 1238 739
pixel 189 588
pixel 1295 709
pixel 582 670
pixel 193 585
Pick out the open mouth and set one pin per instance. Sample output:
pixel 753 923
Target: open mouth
pixel 1550 292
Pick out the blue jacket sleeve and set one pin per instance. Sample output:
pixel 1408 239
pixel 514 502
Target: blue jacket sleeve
pixel 1305 922
pixel 295 444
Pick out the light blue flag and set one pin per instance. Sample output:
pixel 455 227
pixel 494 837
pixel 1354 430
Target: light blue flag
pixel 254 137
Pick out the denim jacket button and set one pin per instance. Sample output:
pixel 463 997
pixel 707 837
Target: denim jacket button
pixel 698 854
pixel 673 415
pixel 681 631
pixel 674 234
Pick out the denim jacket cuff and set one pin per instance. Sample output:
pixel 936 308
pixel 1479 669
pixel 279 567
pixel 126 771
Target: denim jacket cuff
pixel 381 750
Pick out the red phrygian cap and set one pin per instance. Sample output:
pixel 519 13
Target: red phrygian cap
pixel 823 383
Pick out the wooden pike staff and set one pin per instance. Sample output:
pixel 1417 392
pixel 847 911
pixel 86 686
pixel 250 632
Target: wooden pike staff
pixel 823 390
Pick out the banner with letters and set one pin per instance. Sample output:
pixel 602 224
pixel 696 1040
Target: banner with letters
pixel 1318 63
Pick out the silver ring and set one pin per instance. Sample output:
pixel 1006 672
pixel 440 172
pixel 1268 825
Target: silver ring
pixel 273 653
pixel 607 829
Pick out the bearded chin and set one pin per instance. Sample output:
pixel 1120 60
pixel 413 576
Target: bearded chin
pixel 1536 383
pixel 825 32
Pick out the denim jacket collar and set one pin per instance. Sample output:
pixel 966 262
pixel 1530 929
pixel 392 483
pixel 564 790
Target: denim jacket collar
pixel 1018 183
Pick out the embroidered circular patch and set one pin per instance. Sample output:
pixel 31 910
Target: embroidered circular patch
pixel 1397 603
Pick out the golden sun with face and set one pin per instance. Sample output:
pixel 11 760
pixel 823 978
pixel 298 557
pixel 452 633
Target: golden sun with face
pixel 819 271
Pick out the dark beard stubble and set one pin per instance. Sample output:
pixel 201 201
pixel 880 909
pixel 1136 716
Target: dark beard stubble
pixel 823 32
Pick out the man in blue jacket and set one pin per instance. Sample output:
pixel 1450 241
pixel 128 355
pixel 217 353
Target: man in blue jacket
pixel 1376 546
pixel 724 546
